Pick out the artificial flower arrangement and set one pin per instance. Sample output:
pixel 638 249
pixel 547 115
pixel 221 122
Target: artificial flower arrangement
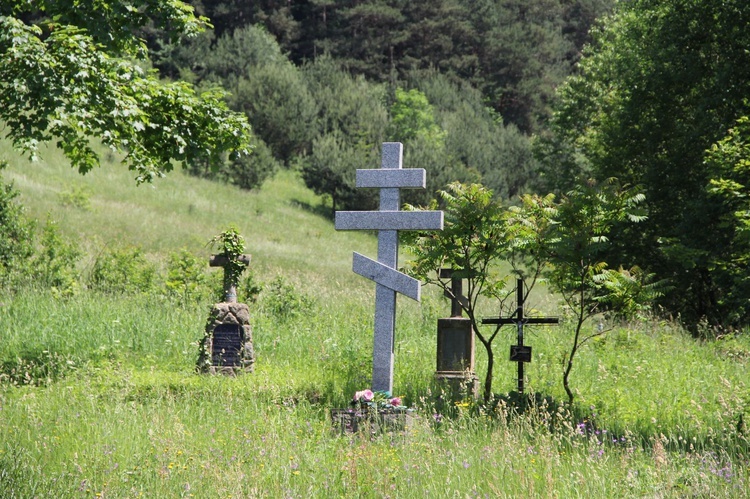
pixel 367 399
pixel 374 411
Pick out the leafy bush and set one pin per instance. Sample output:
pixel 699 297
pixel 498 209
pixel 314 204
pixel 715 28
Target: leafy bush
pixel 35 367
pixel 284 302
pixel 55 263
pixel 77 197
pixel 124 270
pixel 185 276
pixel 16 235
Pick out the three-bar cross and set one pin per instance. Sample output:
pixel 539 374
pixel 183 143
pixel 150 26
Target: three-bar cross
pixel 390 178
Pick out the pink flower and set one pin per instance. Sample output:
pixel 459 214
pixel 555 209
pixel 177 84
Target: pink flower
pixel 395 401
pixel 364 395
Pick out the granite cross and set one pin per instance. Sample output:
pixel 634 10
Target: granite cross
pixel 230 287
pixel 520 353
pixel 390 178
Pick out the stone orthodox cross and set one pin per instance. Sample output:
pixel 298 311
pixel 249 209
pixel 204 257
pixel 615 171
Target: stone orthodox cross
pixel 230 286
pixel 520 353
pixel 390 178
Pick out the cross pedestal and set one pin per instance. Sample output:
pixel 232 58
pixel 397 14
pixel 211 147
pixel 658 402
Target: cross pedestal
pixel 520 353
pixel 455 343
pixel 390 178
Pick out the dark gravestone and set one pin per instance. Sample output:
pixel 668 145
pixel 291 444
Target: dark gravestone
pixel 226 346
pixel 455 345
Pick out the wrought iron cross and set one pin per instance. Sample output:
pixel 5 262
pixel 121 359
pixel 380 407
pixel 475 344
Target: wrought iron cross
pixel 390 178
pixel 520 353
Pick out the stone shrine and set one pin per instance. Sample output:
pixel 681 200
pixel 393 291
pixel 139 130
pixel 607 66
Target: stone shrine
pixel 227 344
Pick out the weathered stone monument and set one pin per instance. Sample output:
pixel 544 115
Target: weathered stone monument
pixel 520 353
pixel 390 178
pixel 455 343
pixel 227 345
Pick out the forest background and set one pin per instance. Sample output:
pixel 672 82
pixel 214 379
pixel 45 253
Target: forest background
pixel 521 96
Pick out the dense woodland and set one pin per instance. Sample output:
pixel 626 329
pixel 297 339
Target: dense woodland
pixel 462 84
pixel 522 96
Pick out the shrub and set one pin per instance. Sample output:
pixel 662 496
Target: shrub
pixel 185 277
pixel 284 302
pixel 123 270
pixel 55 263
pixel 16 236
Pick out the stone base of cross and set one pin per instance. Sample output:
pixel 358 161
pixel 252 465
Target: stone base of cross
pixel 390 178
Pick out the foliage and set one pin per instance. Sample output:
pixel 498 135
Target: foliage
pixel 185 276
pixel 564 242
pixel 412 116
pixel 351 122
pixel 728 163
pixel 571 243
pixel 284 302
pixel 55 264
pixel 73 78
pixel 123 271
pixel 77 197
pixel 476 138
pixel 231 245
pixel 516 52
pixel 662 82
pixel 16 234
pixel 246 172
pixel 473 241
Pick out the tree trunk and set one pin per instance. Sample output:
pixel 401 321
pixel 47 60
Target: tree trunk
pixel 488 376
pixel 569 367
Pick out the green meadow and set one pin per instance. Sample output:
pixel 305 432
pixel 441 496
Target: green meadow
pixel 99 395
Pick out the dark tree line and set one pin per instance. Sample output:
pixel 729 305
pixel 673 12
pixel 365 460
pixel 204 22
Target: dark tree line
pixel 514 51
pixel 320 83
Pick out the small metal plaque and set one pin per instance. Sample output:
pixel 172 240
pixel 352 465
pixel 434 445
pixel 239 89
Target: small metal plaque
pixel 227 345
pixel 520 353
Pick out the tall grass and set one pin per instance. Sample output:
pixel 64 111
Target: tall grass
pixel 99 397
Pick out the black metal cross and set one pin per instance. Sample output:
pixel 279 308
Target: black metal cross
pixel 520 353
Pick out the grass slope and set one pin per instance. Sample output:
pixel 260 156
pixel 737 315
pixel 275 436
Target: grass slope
pixel 123 414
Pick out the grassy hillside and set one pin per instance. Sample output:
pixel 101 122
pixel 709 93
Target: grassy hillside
pixel 117 411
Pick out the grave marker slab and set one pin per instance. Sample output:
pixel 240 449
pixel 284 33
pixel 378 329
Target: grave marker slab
pixel 226 345
pixel 387 221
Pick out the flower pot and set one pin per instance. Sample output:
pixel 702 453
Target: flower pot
pixel 369 419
